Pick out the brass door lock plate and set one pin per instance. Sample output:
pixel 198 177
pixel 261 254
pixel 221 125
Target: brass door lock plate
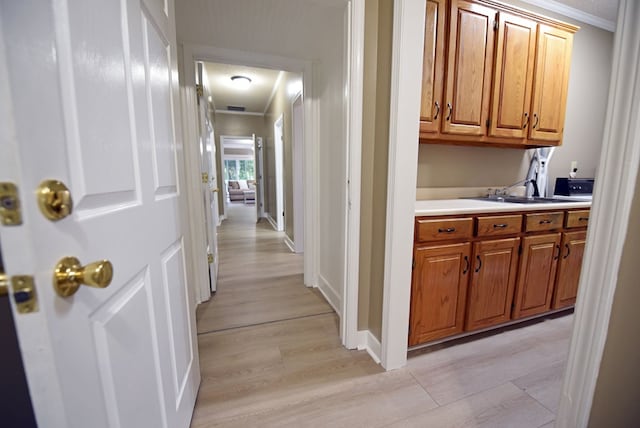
pixel 4 285
pixel 24 294
pixel 10 213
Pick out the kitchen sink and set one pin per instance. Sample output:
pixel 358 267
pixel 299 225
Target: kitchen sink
pixel 522 199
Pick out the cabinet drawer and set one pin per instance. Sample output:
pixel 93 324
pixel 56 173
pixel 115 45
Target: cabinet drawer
pixel 443 229
pixel 577 219
pixel 544 221
pixel 499 225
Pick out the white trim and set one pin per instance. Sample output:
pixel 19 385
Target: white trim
pixel 259 170
pixel 368 342
pixel 289 243
pixel 271 221
pixel 354 137
pixel 406 76
pixel 619 165
pixel 297 149
pixel 273 91
pixel 278 150
pixel 574 13
pixel 327 290
pixel 241 113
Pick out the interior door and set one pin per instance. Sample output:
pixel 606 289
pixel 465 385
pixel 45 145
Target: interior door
pixel 209 184
pixel 91 89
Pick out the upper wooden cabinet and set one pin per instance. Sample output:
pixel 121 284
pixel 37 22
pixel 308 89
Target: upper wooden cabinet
pixel 505 73
pixel 515 57
pixel 470 60
pixel 553 60
pixel 433 66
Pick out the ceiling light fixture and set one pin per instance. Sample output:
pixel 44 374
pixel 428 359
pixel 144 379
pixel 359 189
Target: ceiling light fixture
pixel 241 82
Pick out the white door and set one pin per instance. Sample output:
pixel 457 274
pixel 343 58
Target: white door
pixel 209 189
pixel 297 144
pixel 259 170
pixel 278 152
pixel 89 92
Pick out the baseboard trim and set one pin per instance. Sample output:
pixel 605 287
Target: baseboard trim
pixel 272 222
pixel 368 342
pixel 289 243
pixel 329 294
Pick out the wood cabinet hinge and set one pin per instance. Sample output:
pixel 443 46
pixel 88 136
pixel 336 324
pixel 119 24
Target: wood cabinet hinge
pixel 488 123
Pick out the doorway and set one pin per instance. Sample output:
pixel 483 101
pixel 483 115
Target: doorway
pixel 278 142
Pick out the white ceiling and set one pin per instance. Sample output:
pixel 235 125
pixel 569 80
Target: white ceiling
pixel 255 99
pixel 605 9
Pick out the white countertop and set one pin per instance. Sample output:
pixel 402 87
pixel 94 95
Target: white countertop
pixel 469 206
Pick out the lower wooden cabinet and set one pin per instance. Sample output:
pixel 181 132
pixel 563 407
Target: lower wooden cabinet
pixel 490 294
pixel 538 265
pixel 438 291
pixel 573 244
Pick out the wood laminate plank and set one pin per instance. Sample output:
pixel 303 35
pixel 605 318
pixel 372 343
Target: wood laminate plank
pixel 503 406
pixel 544 385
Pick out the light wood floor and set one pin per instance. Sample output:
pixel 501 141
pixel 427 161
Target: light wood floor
pixel 258 371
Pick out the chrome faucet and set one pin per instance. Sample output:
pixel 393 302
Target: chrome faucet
pixel 505 190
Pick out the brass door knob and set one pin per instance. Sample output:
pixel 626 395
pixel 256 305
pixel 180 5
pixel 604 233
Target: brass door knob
pixel 69 275
pixel 54 200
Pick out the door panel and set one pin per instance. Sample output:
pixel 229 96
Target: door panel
pixel 513 76
pixel 537 274
pixel 553 60
pixel 469 62
pixel 438 292
pixel 573 244
pixel 492 282
pixel 431 108
pixel 104 75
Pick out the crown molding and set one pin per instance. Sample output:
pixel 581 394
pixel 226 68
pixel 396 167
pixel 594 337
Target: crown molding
pixel 574 13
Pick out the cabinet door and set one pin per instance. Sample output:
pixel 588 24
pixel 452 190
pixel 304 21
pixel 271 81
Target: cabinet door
pixel 553 60
pixel 537 274
pixel 513 76
pixel 469 63
pixel 569 270
pixel 438 291
pixel 493 278
pixel 433 66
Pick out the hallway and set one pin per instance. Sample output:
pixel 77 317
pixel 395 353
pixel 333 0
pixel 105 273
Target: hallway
pixel 270 356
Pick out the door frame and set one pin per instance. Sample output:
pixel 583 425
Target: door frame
pixel 353 86
pixel 297 146
pixel 278 151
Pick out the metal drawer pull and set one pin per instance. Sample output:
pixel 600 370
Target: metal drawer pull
pixel 526 120
pixel 450 107
pixel 583 219
pixel 545 221
pixel 568 251
pixel 499 226
pixel 479 264
pixel 466 265
pixel 557 256
pixel 437 111
pixel 535 116
pixel 447 230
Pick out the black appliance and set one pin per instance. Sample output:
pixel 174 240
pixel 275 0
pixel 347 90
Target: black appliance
pixel 574 186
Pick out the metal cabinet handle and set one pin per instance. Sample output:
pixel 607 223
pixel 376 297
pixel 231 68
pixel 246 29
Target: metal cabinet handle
pixel 545 221
pixel 526 120
pixel 450 107
pixel 557 256
pixel 437 111
pixel 499 226
pixel 568 251
pixel 583 219
pixel 467 265
pixel 479 264
pixel 535 116
pixel 447 230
